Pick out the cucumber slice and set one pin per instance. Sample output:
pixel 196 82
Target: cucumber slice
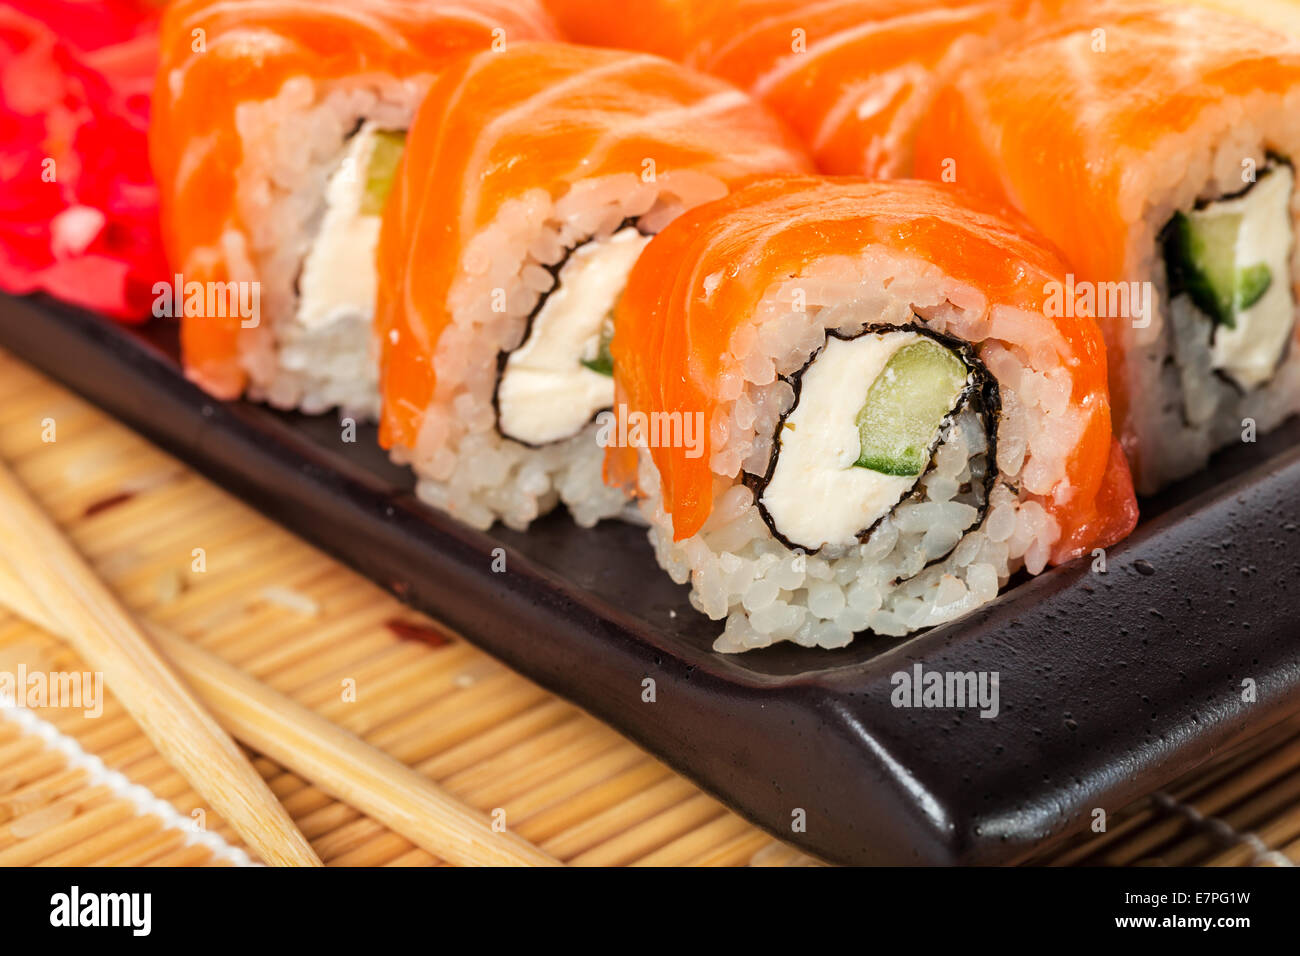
pixel 1202 249
pixel 1202 256
pixel 906 404
pixel 382 169
pixel 1252 283
pixel 1229 270
pixel 604 361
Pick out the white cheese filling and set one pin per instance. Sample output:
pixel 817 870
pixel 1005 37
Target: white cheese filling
pixel 1250 353
pixel 338 282
pixel 817 496
pixel 546 394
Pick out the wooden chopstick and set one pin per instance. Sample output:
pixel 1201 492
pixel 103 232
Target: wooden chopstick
pixel 346 767
pixel 80 607
pixel 336 761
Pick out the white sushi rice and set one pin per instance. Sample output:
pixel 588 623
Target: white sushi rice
pixel 292 144
pixel 1206 161
pixel 463 463
pixel 766 593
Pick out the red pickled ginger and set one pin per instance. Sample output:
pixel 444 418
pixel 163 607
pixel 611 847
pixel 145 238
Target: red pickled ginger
pixel 78 205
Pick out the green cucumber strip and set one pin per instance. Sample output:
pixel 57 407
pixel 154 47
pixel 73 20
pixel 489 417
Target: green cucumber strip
pixel 382 169
pixel 1203 254
pixel 1252 283
pixel 905 407
pixel 604 361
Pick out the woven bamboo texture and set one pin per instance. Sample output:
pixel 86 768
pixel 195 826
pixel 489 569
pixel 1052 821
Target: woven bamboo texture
pixel 308 627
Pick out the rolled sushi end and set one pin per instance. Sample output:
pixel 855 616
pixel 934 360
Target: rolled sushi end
pixel 561 375
pixel 870 413
pixel 331 328
pixel 1230 261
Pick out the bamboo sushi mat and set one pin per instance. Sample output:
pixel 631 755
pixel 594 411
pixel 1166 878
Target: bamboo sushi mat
pixel 302 623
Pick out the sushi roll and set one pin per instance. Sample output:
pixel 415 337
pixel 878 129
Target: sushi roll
pixel 531 183
pixel 893 426
pixel 1156 147
pixel 277 127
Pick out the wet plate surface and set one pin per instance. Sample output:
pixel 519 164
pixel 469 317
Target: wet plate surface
pixel 1109 685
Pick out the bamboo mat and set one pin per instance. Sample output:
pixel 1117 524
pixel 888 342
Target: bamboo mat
pixel 297 620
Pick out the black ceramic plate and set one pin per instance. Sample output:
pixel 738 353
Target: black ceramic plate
pixel 1109 685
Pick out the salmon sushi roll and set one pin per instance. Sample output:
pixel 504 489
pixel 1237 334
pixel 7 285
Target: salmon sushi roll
pixel 277 127
pixel 893 425
pixel 532 180
pixel 1155 146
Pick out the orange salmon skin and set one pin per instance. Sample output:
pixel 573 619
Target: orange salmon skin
pixel 1048 127
pixel 540 116
pixel 217 54
pixel 664 27
pixel 707 272
pixel 852 77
